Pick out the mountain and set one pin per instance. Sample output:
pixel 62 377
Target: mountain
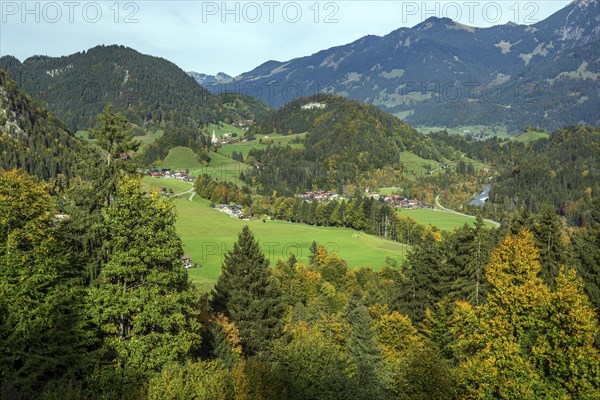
pixel 145 89
pixel 345 142
pixel 204 79
pixel 32 139
pixel 443 73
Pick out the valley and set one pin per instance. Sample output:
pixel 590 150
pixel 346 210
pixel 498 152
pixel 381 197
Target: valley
pixel 425 224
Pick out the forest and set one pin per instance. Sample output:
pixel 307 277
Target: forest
pixel 96 303
pixel 99 304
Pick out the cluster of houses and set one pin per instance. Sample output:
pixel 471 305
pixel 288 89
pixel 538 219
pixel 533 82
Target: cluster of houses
pixel 168 173
pixel 233 210
pixel 227 138
pixel 320 196
pixel 397 200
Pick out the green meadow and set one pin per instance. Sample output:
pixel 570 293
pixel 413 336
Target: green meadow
pixel 220 167
pixel 443 220
pixel 208 234
pixel 245 147
pixel 531 136
pixel 222 127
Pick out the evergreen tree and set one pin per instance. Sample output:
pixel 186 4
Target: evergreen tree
pixel 96 189
pixel 246 293
pixel 548 237
pixel 364 352
pixel 427 278
pixel 312 257
pixel 523 220
pixel 114 138
pixel 143 305
pixel 41 297
pixel 587 249
pixel 468 253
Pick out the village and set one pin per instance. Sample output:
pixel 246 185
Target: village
pixel 395 200
pixel 172 174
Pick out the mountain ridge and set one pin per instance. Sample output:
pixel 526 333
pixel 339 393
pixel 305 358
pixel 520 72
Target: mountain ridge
pixel 423 64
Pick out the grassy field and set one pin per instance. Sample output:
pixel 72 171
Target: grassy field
pixel 531 136
pixel 245 147
pixel 175 185
pixel 208 234
pixel 181 158
pixel 221 128
pixel 488 131
pixel 220 167
pixel 442 220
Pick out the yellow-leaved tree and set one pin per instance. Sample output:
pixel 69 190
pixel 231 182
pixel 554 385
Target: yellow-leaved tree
pixel 527 341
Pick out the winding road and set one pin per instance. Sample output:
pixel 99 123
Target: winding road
pixel 190 190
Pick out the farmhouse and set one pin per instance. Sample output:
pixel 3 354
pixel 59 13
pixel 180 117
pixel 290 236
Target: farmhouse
pixel 231 210
pixel 187 261
pixel 312 106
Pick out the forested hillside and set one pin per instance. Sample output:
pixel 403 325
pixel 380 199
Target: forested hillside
pixel 32 139
pixel 345 140
pixel 562 171
pixel 244 106
pixel 146 89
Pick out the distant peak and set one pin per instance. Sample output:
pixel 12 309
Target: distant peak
pixel 431 21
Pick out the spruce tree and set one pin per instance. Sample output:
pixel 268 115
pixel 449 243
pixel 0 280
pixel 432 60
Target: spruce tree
pixel 364 352
pixel 246 293
pixel 427 277
pixel 143 305
pixel 41 297
pixel 548 239
pixel 587 251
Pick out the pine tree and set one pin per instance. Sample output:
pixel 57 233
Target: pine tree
pixel 116 145
pixel 312 258
pixel 97 188
pixel 246 293
pixel 523 220
pixel 468 253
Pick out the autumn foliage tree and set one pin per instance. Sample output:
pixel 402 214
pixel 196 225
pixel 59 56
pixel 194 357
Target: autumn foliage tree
pixel 522 343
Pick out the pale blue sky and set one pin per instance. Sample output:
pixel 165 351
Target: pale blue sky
pixel 233 36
